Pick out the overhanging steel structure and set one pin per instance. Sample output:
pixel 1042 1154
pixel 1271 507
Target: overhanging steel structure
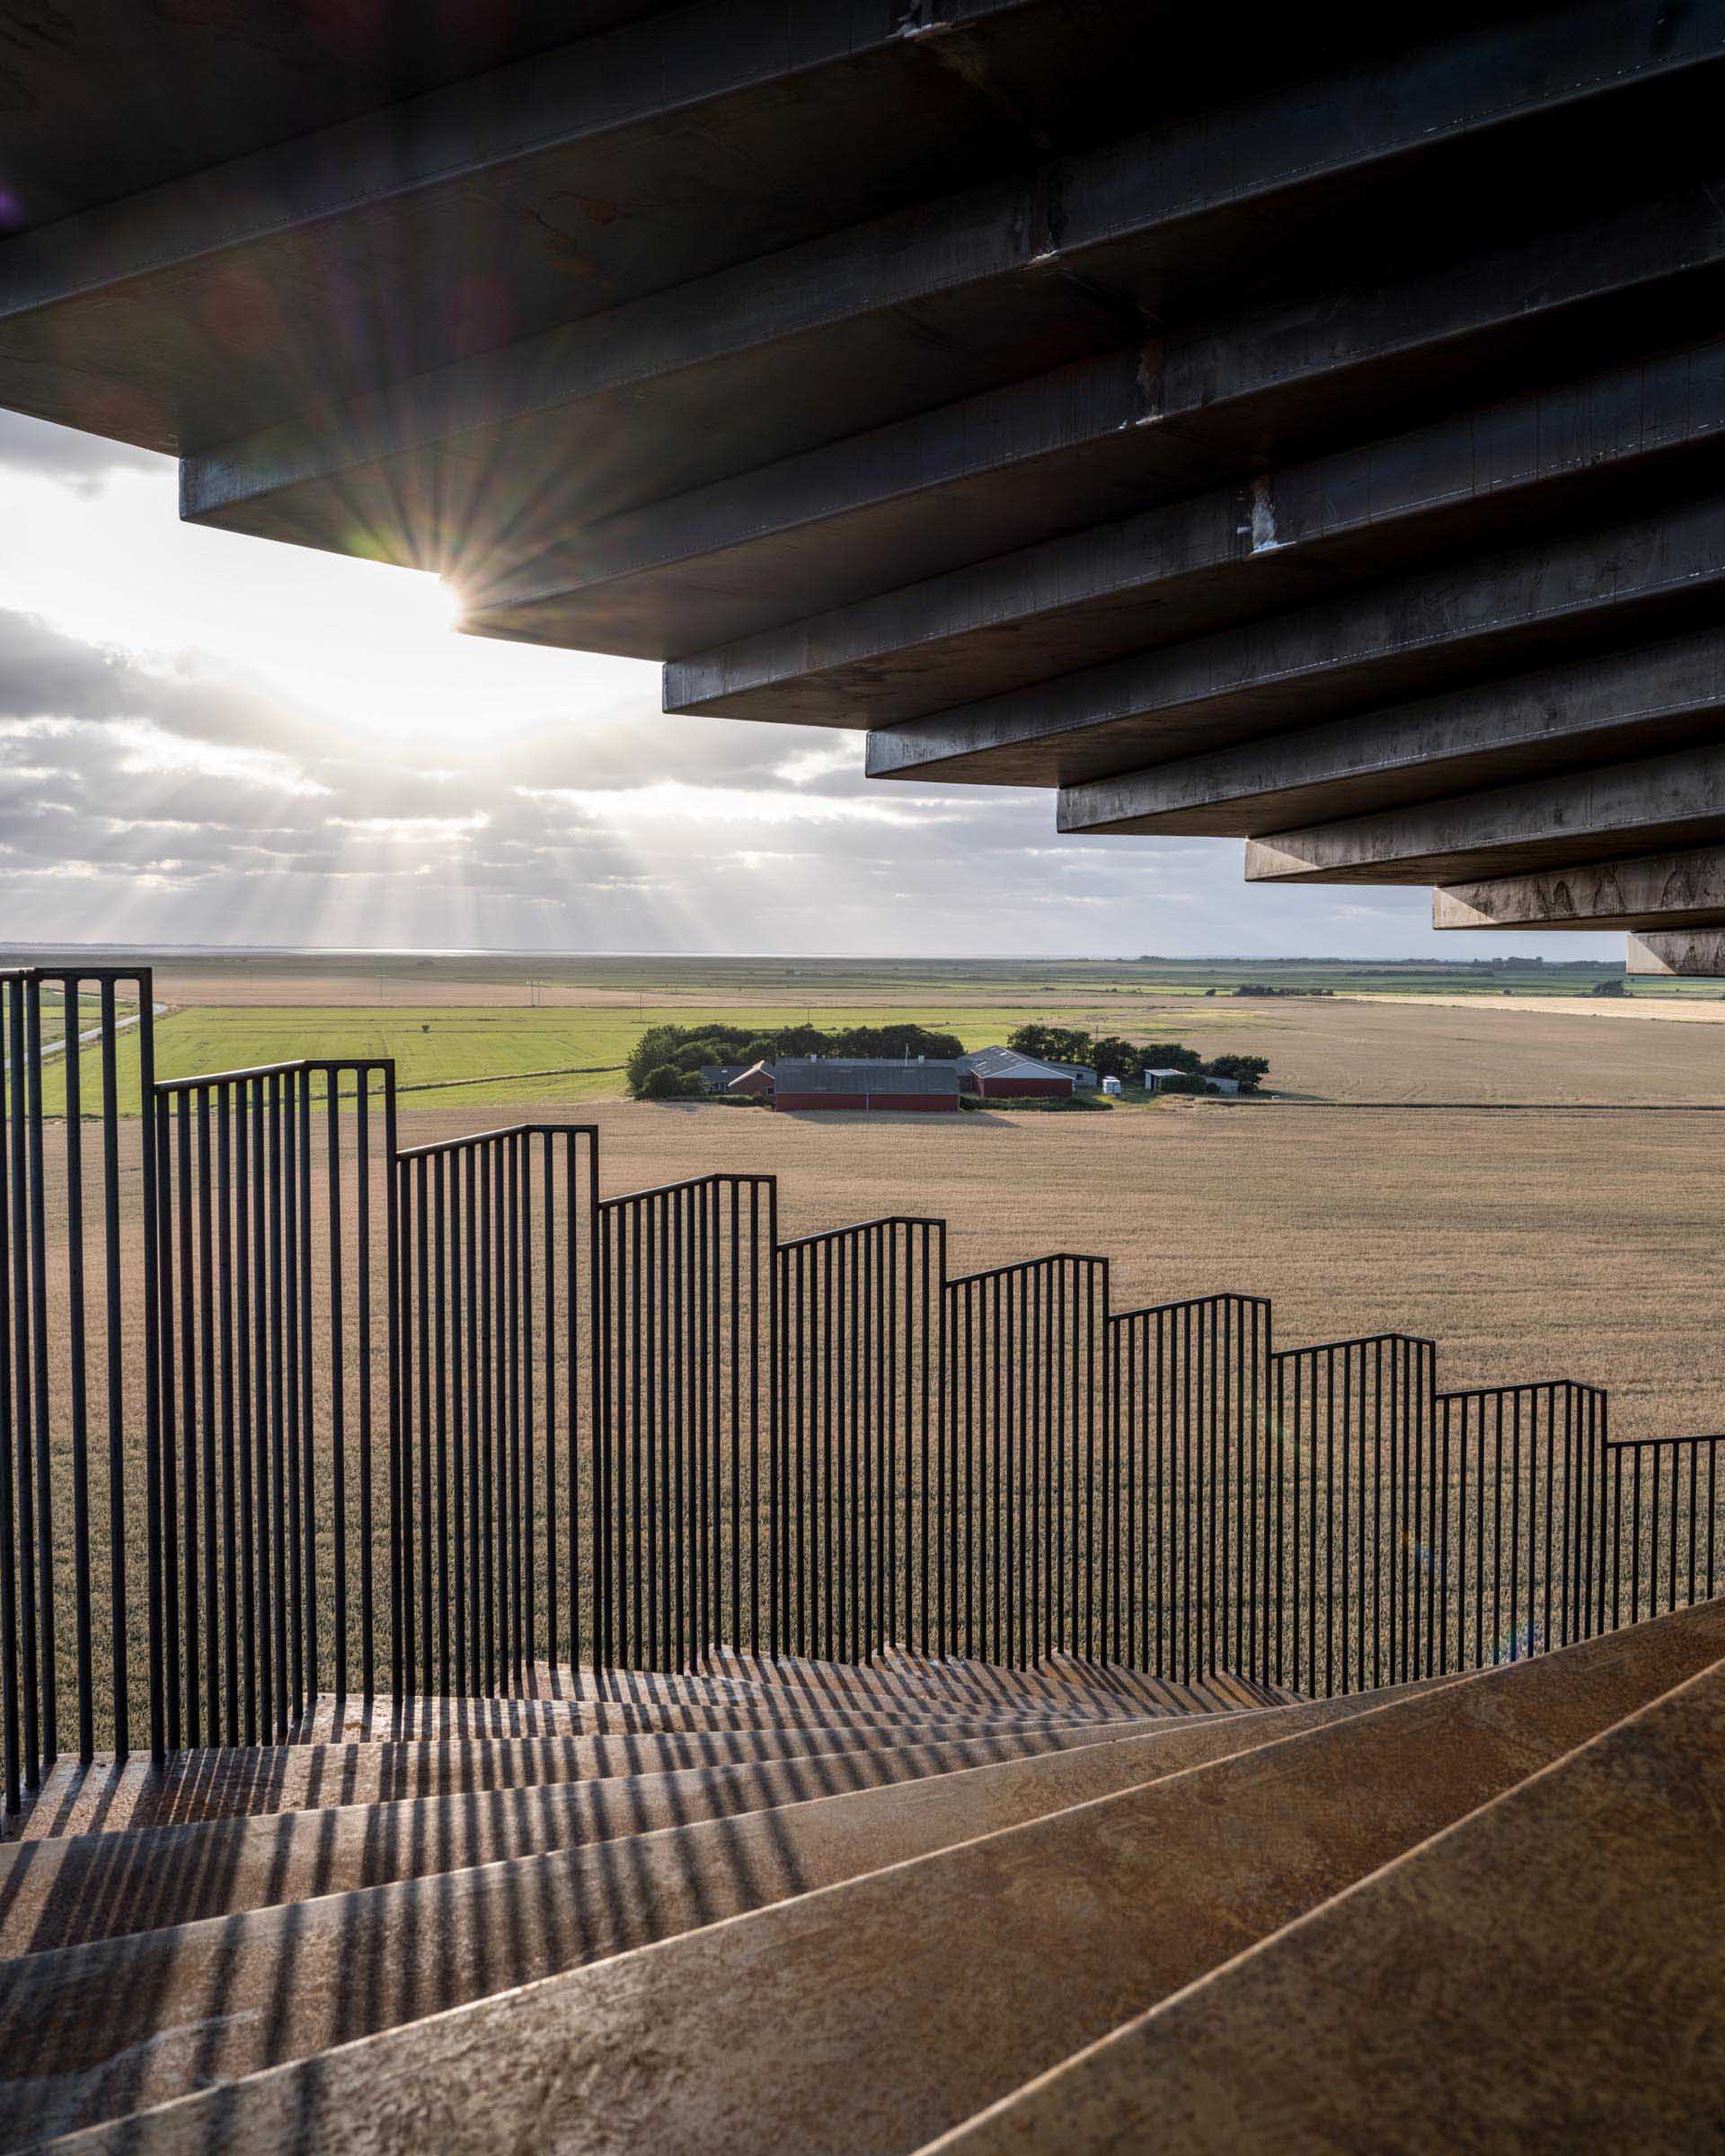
pixel 1307 428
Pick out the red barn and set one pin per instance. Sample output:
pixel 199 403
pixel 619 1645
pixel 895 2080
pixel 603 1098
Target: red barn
pixel 1004 1074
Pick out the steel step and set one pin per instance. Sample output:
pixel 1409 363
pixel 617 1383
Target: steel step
pixel 68 1889
pixel 1544 1976
pixel 97 2031
pixel 792 2025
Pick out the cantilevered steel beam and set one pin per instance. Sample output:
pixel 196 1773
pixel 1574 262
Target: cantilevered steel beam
pixel 1699 952
pixel 494 208
pixel 1665 803
pixel 1649 892
pixel 1380 643
pixel 1555 452
pixel 856 328
pixel 1185 409
pixel 1605 708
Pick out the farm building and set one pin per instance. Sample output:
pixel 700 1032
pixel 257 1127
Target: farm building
pixel 1154 1081
pixel 1005 1074
pixel 879 1085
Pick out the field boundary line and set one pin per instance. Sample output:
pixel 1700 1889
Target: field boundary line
pixel 1512 1107
pixel 562 1070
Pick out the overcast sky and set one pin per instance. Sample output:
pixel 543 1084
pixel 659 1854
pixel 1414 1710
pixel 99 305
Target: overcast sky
pixel 212 739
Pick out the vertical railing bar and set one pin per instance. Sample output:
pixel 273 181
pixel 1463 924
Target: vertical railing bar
pixel 10 1685
pixel 261 1668
pixel 362 1265
pixel 733 1434
pixel 675 1332
pixel 159 1306
pixel 442 1169
pixel 23 1375
pixel 277 1432
pixel 472 1667
pixel 521 1594
pixel 307 1384
pixel 419 1336
pixel 290 1564
pixel 243 1372
pixel 572 1365
pixel 396 1180
pixel 1671 1555
pixel 638 1376
pixel 210 1400
pixel 46 1644
pixel 393 1345
pixel 338 1378
pixel 548 1201
pixel 460 1292
pixel 12 1677
pixel 229 1454
pixel 78 1382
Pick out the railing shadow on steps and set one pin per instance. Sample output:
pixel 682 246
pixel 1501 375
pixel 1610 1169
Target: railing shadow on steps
pixel 631 1430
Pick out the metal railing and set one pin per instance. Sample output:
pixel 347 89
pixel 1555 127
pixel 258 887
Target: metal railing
pixel 257 1359
pixel 1662 1506
pixel 859 1471
pixel 270 1272
pixel 72 1355
pixel 495 1280
pixel 1189 1517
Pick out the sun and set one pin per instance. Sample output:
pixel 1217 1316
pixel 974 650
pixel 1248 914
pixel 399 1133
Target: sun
pixel 369 648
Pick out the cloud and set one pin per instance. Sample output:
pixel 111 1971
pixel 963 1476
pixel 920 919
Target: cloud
pixel 209 790
pixel 678 801
pixel 46 673
pixel 83 461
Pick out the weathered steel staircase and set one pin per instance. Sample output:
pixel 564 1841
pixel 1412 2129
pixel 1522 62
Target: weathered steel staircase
pixel 807 1906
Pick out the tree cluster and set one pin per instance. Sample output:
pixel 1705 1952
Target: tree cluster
pixel 665 1062
pixel 1110 1056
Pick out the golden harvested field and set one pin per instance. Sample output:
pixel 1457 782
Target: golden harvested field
pixel 1690 1010
pixel 1474 1049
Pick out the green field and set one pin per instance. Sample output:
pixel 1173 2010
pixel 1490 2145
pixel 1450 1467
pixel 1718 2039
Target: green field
pixel 473 1055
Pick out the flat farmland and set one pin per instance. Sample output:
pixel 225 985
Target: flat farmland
pixel 1470 1051
pixel 1323 1049
pixel 1519 1177
pixel 496 1055
pixel 1428 1049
